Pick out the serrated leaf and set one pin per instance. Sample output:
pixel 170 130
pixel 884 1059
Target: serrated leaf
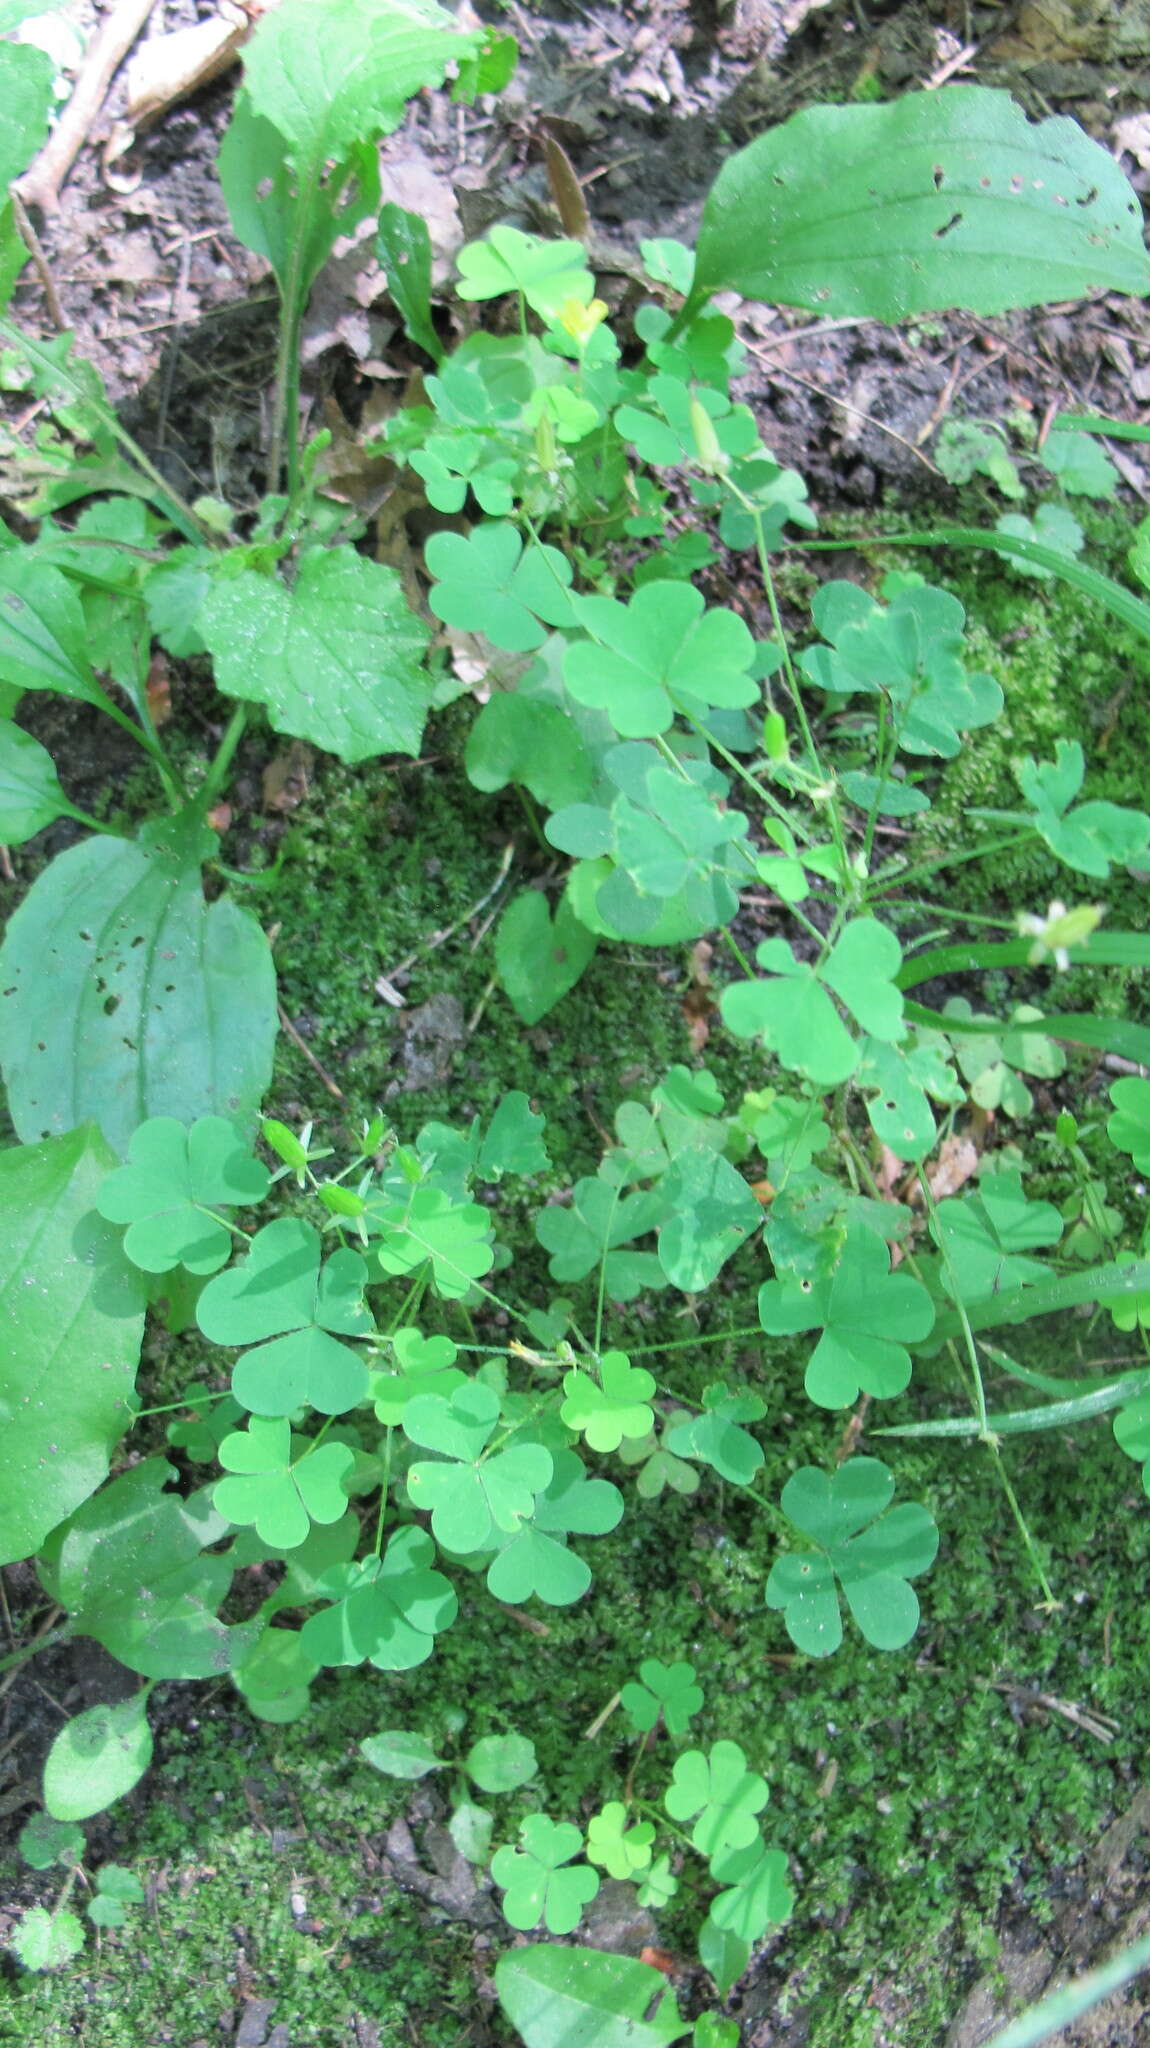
pixel 97 1757
pixel 538 1881
pixel 46 1941
pixel 338 659
pixel 174 1175
pixel 124 995
pixel 293 1310
pixel 872 1564
pixel 387 1611
pixel 556 1995
pixel 868 1315
pixel 68 1297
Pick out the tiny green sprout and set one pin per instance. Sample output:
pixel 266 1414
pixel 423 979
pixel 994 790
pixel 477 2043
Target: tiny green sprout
pixel 719 1794
pixel 116 1888
pixel 614 1407
pixel 540 1881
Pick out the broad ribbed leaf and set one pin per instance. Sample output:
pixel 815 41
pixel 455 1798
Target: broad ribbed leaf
pixel 123 995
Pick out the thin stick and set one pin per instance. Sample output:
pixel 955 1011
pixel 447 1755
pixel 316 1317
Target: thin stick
pixel 40 185
pixel 32 243
pixel 309 1055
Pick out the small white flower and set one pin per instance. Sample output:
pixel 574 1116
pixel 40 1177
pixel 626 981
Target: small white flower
pixel 1058 931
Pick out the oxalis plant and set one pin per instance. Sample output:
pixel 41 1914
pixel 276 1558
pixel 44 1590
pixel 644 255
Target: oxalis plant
pixel 364 1435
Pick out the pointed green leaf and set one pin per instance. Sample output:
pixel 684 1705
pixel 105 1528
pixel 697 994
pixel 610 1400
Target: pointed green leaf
pixel 30 792
pixel 555 1996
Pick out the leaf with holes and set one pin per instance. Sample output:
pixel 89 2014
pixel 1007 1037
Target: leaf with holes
pixel 337 659
pixel 870 1552
pixel 721 1796
pixel 538 1880
pixel 123 995
pixel 278 1487
pixel 292 1310
pixel 387 1611
pixel 175 1177
pixel 867 1314
pixel 72 1309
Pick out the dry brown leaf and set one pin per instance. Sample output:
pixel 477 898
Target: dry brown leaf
pixel 168 68
pixel 287 778
pixel 158 689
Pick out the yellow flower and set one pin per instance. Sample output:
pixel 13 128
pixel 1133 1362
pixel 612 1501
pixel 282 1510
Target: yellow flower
pixel 581 321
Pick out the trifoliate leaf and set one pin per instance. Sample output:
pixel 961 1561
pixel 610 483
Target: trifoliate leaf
pixel 793 1013
pixel 175 1175
pixel 598 1224
pixel 912 652
pixel 985 1235
pixel 454 1236
pixel 1092 835
pixel 281 1488
pixel 283 1293
pixel 536 1559
pixel 715 1436
pixel 719 1794
pixel 426 1366
pixel 759 1896
pixel 615 1405
pixel 547 273
pixel 666 1689
pixel 486 582
pixel 646 658
pixel 872 1564
pixel 519 739
pixel 658 1885
pixel 714 1214
pixel 867 1314
pixel 620 1850
pixel 472 1495
pixel 388 1611
pixel 538 1879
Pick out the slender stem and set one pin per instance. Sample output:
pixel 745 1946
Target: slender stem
pixel 384 1490
pixel 945 860
pixel 214 780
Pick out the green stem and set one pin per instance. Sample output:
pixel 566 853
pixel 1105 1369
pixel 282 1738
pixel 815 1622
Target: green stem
pixel 944 860
pixel 214 780
pixel 384 1490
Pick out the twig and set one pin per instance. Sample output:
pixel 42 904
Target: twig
pixel 40 185
pixel 309 1055
pixel 32 243
pixel 947 69
pixel 855 411
pixel 447 931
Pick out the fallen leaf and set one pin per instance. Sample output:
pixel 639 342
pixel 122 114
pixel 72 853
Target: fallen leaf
pixel 286 779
